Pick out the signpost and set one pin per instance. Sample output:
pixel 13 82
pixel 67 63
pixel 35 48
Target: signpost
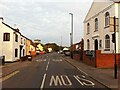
pixel 115 64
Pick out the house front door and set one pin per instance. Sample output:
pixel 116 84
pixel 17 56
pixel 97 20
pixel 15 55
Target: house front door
pixel 21 51
pixel 96 44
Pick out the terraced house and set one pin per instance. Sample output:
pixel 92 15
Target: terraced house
pixel 12 42
pixel 9 42
pixel 98 30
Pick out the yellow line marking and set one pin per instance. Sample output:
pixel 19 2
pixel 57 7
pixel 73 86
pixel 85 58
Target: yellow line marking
pixel 9 76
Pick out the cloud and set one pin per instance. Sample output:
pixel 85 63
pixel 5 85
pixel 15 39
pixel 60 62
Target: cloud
pixel 47 20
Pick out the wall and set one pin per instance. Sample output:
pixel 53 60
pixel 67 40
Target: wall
pixel 7 46
pixel 76 57
pixel 28 47
pixel 1 36
pixel 24 46
pixel 16 46
pixel 89 60
pixel 101 60
pixel 105 60
pixel 102 31
pixel 119 28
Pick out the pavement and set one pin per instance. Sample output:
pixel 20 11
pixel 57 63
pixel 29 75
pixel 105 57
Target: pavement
pixel 103 76
pixel 8 68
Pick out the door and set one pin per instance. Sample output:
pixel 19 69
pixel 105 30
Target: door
pixel 96 44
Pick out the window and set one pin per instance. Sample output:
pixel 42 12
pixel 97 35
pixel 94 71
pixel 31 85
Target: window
pixel 6 37
pixel 88 44
pixel 21 41
pixel 24 41
pixel 107 19
pixel 16 52
pixel 107 43
pixel 88 28
pixel 96 24
pixel 100 43
pixel 16 37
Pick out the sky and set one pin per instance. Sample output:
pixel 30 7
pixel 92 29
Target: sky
pixel 47 20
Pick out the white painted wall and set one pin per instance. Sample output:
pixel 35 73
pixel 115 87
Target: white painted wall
pixel 119 29
pixel 7 46
pixel 16 46
pixel 23 40
pixel 1 37
pixel 32 48
pixel 100 34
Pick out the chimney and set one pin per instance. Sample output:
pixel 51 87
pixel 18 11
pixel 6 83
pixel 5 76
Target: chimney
pixel 1 19
pixel 17 30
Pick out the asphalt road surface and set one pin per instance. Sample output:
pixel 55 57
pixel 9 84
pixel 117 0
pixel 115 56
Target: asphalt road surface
pixel 50 71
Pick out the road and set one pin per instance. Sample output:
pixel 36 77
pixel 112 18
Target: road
pixel 50 71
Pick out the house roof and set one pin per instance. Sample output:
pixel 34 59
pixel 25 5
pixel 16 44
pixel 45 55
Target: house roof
pixel 16 30
pixel 94 2
pixel 1 18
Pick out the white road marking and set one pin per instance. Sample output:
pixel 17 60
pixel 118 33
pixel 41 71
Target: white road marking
pixel 69 82
pixel 84 81
pixel 44 60
pixel 37 60
pixel 48 63
pixel 60 80
pixel 82 71
pixel 9 76
pixel 78 80
pixel 83 76
pixel 46 67
pixel 55 80
pixel 59 60
pixel 43 81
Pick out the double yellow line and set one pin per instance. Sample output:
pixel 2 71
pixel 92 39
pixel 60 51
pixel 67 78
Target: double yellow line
pixel 8 76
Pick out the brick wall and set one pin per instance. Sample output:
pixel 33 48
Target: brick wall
pixel 101 60
pixel 89 60
pixel 76 57
pixel 105 60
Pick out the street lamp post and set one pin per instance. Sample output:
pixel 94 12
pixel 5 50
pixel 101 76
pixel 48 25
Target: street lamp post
pixel 71 34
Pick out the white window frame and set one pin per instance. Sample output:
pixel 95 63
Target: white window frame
pixel 107 19
pixel 107 42
pixel 96 24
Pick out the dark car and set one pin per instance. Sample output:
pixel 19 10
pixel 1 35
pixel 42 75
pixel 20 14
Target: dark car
pixel 29 57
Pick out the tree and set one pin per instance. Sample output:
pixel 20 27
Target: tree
pixel 54 46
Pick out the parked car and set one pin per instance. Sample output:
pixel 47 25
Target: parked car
pixel 42 52
pixel 37 52
pixel 67 52
pixel 29 57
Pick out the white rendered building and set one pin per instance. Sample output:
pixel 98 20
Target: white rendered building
pixel 98 26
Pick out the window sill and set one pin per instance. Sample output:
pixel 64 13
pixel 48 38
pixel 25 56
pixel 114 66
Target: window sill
pixel 6 41
pixel 96 31
pixel 88 33
pixel 106 27
pixel 106 49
